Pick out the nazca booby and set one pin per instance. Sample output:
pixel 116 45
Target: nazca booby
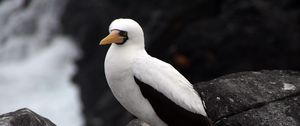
pixel 149 88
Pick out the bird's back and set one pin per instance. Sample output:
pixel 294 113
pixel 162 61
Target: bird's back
pixel 172 97
pixel 170 112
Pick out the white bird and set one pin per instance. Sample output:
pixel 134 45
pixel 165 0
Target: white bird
pixel 147 87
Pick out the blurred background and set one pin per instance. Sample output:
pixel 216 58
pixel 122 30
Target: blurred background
pixel 50 60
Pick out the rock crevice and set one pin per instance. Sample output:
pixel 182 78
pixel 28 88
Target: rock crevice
pixel 253 98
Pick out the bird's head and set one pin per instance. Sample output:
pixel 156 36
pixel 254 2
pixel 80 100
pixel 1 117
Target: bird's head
pixel 124 31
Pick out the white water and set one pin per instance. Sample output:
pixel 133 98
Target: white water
pixel 37 63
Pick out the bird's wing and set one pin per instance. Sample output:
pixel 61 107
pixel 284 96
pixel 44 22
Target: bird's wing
pixel 167 80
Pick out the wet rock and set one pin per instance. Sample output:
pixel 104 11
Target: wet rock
pixel 24 117
pixel 253 98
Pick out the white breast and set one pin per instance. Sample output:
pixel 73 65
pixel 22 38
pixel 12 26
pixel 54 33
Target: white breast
pixel 120 79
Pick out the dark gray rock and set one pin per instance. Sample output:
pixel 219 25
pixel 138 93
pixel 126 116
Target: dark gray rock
pixel 278 113
pixel 24 117
pixel 264 98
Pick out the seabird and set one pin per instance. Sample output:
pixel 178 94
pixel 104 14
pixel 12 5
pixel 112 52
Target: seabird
pixel 150 89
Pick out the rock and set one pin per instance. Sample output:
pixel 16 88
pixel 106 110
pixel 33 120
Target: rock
pixel 264 98
pixel 284 112
pixel 24 117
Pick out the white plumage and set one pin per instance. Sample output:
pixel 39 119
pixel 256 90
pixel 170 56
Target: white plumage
pixel 166 79
pixel 127 58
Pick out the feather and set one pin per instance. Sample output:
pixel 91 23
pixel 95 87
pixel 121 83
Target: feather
pixel 167 80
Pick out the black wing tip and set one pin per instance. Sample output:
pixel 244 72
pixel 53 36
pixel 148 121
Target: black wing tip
pixel 169 111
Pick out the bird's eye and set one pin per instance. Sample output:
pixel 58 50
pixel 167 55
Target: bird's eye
pixel 123 33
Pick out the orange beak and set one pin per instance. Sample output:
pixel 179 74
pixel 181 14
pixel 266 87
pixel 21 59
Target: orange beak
pixel 113 37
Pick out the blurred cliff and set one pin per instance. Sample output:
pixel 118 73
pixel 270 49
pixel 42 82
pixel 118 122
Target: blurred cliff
pixel 203 39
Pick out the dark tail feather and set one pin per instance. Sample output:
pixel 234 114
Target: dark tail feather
pixel 210 122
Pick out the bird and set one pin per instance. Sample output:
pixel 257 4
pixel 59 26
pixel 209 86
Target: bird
pixel 150 89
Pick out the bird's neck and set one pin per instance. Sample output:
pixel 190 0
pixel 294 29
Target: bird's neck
pixel 119 58
pixel 127 51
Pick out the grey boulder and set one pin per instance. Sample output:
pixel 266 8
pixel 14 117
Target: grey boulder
pixel 265 98
pixel 24 117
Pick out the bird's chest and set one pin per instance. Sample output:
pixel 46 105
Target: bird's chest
pixel 119 76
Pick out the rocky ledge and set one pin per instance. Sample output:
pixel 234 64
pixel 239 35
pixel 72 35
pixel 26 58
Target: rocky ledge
pixel 264 98
pixel 24 117
pixel 268 98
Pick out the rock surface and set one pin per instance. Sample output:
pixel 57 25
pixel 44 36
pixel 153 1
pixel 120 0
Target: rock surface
pixel 24 117
pixel 264 98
